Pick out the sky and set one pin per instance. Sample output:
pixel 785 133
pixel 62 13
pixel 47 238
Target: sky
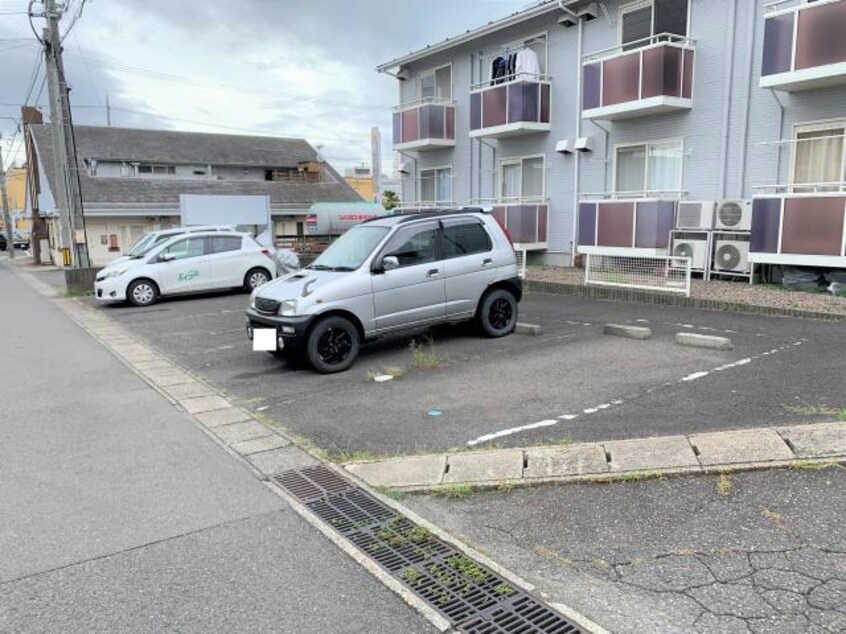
pixel 302 68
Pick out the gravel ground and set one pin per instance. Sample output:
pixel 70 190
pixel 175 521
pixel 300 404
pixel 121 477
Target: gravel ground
pixel 740 292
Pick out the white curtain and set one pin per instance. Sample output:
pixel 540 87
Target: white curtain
pixel 532 178
pixel 819 157
pixel 631 167
pixel 664 169
pixel 444 185
pixel 428 187
pixel 510 181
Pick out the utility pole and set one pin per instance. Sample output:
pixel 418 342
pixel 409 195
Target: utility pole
pixel 64 146
pixel 7 218
pixel 108 113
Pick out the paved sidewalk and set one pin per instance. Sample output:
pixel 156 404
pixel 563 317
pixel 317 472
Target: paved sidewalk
pixel 119 514
pixel 620 459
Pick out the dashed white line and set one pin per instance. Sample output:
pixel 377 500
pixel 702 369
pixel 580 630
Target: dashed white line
pixel 513 430
pixel 695 375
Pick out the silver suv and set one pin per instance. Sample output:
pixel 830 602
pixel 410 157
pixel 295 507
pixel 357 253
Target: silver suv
pixel 392 274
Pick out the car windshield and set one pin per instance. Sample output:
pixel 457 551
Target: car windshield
pixel 142 245
pixel 349 251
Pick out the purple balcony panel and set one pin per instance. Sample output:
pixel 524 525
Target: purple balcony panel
pixel 475 110
pixel 522 223
pixel 397 128
pixel 661 72
pixel 543 222
pixel 587 224
pixel 778 44
pixel 621 79
pixel 654 223
pixel 813 226
pixel 493 107
pixel 450 122
pixel 523 102
pixel 766 216
pixel 821 35
pixel 687 81
pixel 410 129
pixel 431 122
pixel 544 105
pixel 591 86
pixel 616 223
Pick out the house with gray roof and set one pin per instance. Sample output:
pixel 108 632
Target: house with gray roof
pixel 132 180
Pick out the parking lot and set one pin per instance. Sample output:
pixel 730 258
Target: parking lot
pixel 570 383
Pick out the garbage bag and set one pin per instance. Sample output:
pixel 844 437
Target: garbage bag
pixel 286 262
pixel 803 279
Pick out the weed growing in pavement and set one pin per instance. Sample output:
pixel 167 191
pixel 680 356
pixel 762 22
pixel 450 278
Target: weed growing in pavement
pixel 505 487
pixel 351 455
pixel 424 356
pixel 467 567
pixel 842 415
pixel 637 476
pixel 71 293
pixel 456 491
pixel 411 575
pixel 724 485
pixel 806 409
pixel 503 589
pixel 393 494
pixel 809 465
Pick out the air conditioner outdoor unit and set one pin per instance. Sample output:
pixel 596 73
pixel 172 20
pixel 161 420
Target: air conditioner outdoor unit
pixel 696 250
pixel 695 215
pixel 731 256
pixel 734 215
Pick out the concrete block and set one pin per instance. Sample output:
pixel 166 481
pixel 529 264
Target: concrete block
pixel 709 342
pixel 191 389
pixel 504 464
pixel 650 454
pixel 167 379
pixel 733 447
pixel 239 432
pixel 283 459
pixel 81 280
pixel 220 417
pixel 823 440
pixel 257 445
pixel 204 404
pixel 549 462
pixel 629 332
pixel 533 330
pixel 401 472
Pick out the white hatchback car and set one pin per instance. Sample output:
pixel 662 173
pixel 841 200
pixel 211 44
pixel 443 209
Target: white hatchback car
pixel 188 263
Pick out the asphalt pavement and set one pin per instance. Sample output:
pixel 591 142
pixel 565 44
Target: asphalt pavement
pixel 781 371
pixel 118 514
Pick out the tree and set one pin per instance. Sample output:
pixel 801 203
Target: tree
pixel 390 199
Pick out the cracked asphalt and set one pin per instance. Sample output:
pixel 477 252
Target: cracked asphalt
pixel 765 556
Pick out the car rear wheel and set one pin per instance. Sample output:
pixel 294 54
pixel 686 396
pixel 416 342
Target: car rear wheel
pixel 497 313
pixel 256 277
pixel 333 345
pixel 142 292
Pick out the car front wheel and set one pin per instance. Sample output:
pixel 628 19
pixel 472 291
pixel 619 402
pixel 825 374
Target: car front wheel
pixel 255 278
pixel 498 313
pixel 142 293
pixel 333 345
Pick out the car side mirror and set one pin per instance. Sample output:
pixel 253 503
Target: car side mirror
pixel 167 257
pixel 390 262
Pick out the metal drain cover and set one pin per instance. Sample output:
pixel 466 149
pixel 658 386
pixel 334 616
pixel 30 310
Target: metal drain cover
pixel 472 597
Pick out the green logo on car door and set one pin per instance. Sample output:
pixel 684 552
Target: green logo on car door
pixel 187 276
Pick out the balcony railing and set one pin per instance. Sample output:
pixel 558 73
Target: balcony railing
pixel 804 45
pixel 525 219
pixel 426 124
pixel 519 105
pixel 616 226
pixel 655 77
pixel 799 229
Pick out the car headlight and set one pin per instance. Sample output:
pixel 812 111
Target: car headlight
pixel 252 300
pixel 288 308
pixel 114 273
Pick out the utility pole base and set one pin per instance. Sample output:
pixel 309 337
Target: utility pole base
pixel 81 281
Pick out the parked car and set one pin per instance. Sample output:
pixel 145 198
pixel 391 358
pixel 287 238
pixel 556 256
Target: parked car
pixel 20 242
pixel 152 238
pixel 187 263
pixel 4 244
pixel 392 274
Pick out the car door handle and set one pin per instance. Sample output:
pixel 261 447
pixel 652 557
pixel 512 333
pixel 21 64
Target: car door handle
pixel 433 273
pixel 487 261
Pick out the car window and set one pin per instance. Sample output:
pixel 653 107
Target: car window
pixel 415 245
pixel 223 244
pixel 465 238
pixel 188 248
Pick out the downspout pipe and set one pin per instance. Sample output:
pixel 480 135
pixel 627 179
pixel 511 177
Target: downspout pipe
pixel 414 159
pixel 727 92
pixel 578 158
pixel 744 135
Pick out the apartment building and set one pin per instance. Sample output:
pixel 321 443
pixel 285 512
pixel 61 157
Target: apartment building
pixel 627 118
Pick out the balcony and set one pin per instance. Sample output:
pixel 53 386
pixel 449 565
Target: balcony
pixel 655 78
pixel 518 106
pixel 799 229
pixel 619 226
pixel 424 125
pixel 804 45
pixel 525 219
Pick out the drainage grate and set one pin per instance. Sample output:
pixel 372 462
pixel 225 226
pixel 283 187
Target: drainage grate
pixel 475 599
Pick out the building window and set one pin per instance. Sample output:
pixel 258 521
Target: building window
pixel 153 169
pixel 648 168
pixel 435 84
pixel 819 156
pixel 436 185
pixel 522 179
pixel 644 19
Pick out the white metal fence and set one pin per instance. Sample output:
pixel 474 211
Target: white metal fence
pixel 653 272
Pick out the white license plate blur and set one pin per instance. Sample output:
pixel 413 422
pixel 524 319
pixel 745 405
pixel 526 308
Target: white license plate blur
pixel 264 339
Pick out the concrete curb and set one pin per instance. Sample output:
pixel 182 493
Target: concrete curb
pixel 709 342
pixel 646 297
pixel 624 460
pixel 628 332
pixel 533 330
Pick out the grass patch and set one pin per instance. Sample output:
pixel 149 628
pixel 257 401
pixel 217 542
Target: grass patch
pixel 809 465
pixel 505 487
pixel 456 491
pixel 724 485
pixel 393 494
pixel 806 409
pixel 842 415
pixel 503 589
pixel 636 476
pixel 72 293
pixel 411 575
pixel 467 568
pixel 351 455
pixel 424 356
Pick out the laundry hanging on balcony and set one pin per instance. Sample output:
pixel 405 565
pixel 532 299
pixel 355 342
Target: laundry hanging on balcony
pixel 526 64
pixel 516 64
